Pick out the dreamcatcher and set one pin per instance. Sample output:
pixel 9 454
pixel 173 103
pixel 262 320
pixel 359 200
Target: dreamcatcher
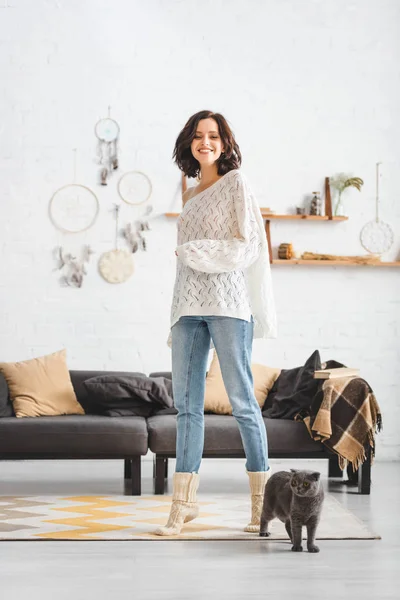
pixel 107 132
pixel 377 236
pixel 73 208
pixel 135 187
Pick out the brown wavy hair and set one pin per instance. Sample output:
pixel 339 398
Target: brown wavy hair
pixel 230 159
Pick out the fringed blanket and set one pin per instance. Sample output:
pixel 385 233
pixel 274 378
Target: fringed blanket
pixel 345 416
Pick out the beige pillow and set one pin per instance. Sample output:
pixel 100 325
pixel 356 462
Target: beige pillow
pixel 216 399
pixel 41 386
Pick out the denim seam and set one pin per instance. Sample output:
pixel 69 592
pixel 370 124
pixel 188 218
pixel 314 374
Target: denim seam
pixel 252 407
pixel 189 374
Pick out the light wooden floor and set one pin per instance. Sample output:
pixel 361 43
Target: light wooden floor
pixel 195 570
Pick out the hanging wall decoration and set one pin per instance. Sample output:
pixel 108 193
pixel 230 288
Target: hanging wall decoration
pixel 107 132
pixel 135 187
pixel 116 266
pixel 73 268
pixel 74 207
pixel 133 233
pixel 376 236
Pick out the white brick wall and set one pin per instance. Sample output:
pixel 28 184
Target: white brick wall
pixel 311 88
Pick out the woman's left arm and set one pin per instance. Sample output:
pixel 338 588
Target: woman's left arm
pixel 221 256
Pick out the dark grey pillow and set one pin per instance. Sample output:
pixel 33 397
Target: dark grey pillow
pixel 129 395
pixel 294 390
pixel 166 374
pixel 6 407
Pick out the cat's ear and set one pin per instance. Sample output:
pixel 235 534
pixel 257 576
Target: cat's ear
pixel 294 470
pixel 315 476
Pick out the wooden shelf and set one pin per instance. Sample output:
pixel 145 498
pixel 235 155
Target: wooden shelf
pixel 269 216
pixel 341 263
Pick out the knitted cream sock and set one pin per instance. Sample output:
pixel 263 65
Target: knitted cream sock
pixel 184 507
pixel 257 480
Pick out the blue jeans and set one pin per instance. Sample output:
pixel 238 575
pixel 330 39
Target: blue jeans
pixel 233 340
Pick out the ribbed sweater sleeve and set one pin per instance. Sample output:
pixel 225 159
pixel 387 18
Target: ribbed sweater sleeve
pixel 221 256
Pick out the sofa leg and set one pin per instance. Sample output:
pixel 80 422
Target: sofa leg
pixel 136 468
pixel 127 469
pixel 364 474
pixel 159 484
pixel 334 470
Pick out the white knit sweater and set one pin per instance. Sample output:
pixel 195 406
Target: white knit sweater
pixel 223 264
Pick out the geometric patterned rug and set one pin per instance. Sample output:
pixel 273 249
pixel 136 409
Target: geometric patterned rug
pixel 222 517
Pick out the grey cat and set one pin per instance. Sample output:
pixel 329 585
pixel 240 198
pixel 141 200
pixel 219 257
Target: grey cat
pixel 296 499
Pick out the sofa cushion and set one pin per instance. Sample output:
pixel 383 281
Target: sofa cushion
pixel 129 395
pixel 73 436
pixel 167 374
pixel 222 436
pixel 294 390
pixel 79 376
pixel 41 386
pixel 6 409
pixel 216 399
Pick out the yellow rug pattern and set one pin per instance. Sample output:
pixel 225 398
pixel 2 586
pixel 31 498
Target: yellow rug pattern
pixel 222 517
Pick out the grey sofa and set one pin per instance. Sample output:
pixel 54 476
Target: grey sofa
pixel 86 436
pixel 92 436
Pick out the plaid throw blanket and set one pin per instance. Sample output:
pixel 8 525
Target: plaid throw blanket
pixel 345 416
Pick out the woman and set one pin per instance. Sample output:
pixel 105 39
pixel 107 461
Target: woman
pixel 222 297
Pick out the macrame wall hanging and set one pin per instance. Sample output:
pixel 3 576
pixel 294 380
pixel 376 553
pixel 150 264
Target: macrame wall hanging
pixel 73 209
pixel 107 133
pixel 116 266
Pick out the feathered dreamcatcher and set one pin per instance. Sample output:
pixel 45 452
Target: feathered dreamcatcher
pixel 73 208
pixel 107 133
pixel 377 236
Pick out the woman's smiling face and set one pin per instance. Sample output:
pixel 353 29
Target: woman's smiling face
pixel 207 145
